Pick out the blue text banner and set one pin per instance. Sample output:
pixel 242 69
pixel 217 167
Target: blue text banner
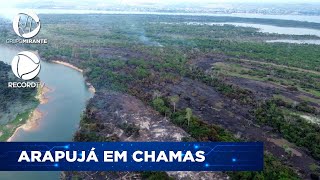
pixel 131 156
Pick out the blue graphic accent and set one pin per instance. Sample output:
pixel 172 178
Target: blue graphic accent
pixel 217 156
pixel 196 146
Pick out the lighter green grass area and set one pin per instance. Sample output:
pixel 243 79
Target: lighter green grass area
pixel 311 91
pixel 236 70
pixel 311 118
pixel 285 99
pixel 7 130
pixel 309 99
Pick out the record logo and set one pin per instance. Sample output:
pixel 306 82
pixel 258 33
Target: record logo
pixel 26 65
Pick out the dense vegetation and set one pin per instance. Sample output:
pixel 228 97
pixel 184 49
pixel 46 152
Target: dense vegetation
pixel 275 22
pixel 129 31
pixel 11 95
pixel 273 169
pixel 293 127
pixel 237 42
pixel 201 131
pixel 23 100
pixel 197 128
pixel 142 55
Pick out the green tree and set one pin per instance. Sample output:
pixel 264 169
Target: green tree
pixel 174 100
pixel 188 115
pixel 160 106
pixel 313 167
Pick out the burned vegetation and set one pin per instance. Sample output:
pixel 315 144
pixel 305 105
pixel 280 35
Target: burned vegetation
pixel 161 80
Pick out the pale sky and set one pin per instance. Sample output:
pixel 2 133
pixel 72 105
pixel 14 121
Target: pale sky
pixel 5 4
pixel 137 2
pixel 8 7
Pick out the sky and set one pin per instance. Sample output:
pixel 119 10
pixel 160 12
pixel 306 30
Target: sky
pixel 139 3
pixel 8 7
pixel 12 3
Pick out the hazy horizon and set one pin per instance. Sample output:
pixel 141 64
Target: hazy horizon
pixel 9 9
pixel 14 3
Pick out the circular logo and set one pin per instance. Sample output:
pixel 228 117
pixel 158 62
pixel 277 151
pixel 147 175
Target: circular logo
pixel 26 25
pixel 25 65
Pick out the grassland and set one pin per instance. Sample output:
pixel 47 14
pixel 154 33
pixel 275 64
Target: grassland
pixel 8 129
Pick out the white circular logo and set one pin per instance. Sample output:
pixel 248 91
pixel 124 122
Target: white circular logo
pixel 26 25
pixel 25 65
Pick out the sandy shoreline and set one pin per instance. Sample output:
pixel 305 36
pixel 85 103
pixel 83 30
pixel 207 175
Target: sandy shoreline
pixel 91 87
pixel 30 124
pixel 41 96
pixel 68 65
pixel 36 115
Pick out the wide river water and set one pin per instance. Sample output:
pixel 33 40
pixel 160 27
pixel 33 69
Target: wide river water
pixel 62 113
pixel 271 29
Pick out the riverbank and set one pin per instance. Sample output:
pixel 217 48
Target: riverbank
pixel 30 124
pixel 90 86
pixel 33 116
pixel 41 96
pixel 68 65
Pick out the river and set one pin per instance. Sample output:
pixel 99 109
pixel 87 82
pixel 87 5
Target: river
pixel 269 29
pixel 264 28
pixel 67 100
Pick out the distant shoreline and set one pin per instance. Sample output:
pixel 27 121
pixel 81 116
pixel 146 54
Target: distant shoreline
pixel 68 65
pixel 91 87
